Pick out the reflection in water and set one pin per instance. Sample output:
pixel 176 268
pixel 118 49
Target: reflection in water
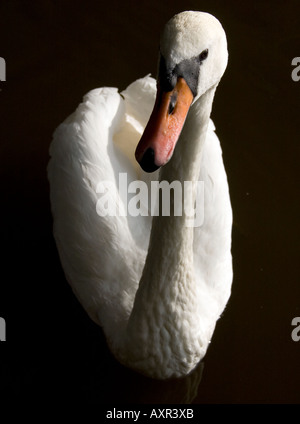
pixel 123 385
pixel 89 376
pixel 175 391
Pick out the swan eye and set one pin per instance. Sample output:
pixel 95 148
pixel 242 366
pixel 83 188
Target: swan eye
pixel 203 55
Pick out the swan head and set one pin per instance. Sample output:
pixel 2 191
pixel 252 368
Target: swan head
pixel 193 58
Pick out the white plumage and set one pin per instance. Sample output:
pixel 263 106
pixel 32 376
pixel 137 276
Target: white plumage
pixel 184 274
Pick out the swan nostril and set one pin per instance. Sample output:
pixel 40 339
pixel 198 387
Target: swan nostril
pixel 147 162
pixel 172 103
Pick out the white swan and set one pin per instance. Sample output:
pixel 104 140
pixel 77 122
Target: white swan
pixel 158 306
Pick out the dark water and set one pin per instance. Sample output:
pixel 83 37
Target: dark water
pixel 57 51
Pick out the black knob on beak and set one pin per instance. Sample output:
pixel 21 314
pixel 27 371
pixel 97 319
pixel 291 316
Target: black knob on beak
pixel 147 162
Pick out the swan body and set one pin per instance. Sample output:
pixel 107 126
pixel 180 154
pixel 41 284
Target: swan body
pixel 156 285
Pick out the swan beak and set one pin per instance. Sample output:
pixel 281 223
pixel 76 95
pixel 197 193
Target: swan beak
pixel 164 127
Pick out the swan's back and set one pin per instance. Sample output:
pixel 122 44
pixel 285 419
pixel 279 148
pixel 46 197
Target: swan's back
pixel 102 257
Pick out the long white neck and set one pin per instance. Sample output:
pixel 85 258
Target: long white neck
pixel 166 309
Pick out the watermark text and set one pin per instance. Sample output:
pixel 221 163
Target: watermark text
pixel 2 69
pixel 296 331
pixel 296 70
pixel 158 198
pixel 153 413
pixel 2 330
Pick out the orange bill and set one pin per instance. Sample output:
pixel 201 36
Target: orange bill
pixel 164 127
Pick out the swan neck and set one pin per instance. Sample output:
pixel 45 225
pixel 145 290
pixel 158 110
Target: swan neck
pixel 183 168
pixel 167 291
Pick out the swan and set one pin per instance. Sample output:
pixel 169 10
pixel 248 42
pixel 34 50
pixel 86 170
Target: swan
pixel 155 284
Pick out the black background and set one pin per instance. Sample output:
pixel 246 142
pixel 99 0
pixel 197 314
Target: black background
pixel 55 52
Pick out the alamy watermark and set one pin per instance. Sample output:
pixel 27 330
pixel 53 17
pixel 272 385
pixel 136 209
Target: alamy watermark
pixel 2 69
pixel 2 330
pixel 296 71
pixel 160 197
pixel 296 331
